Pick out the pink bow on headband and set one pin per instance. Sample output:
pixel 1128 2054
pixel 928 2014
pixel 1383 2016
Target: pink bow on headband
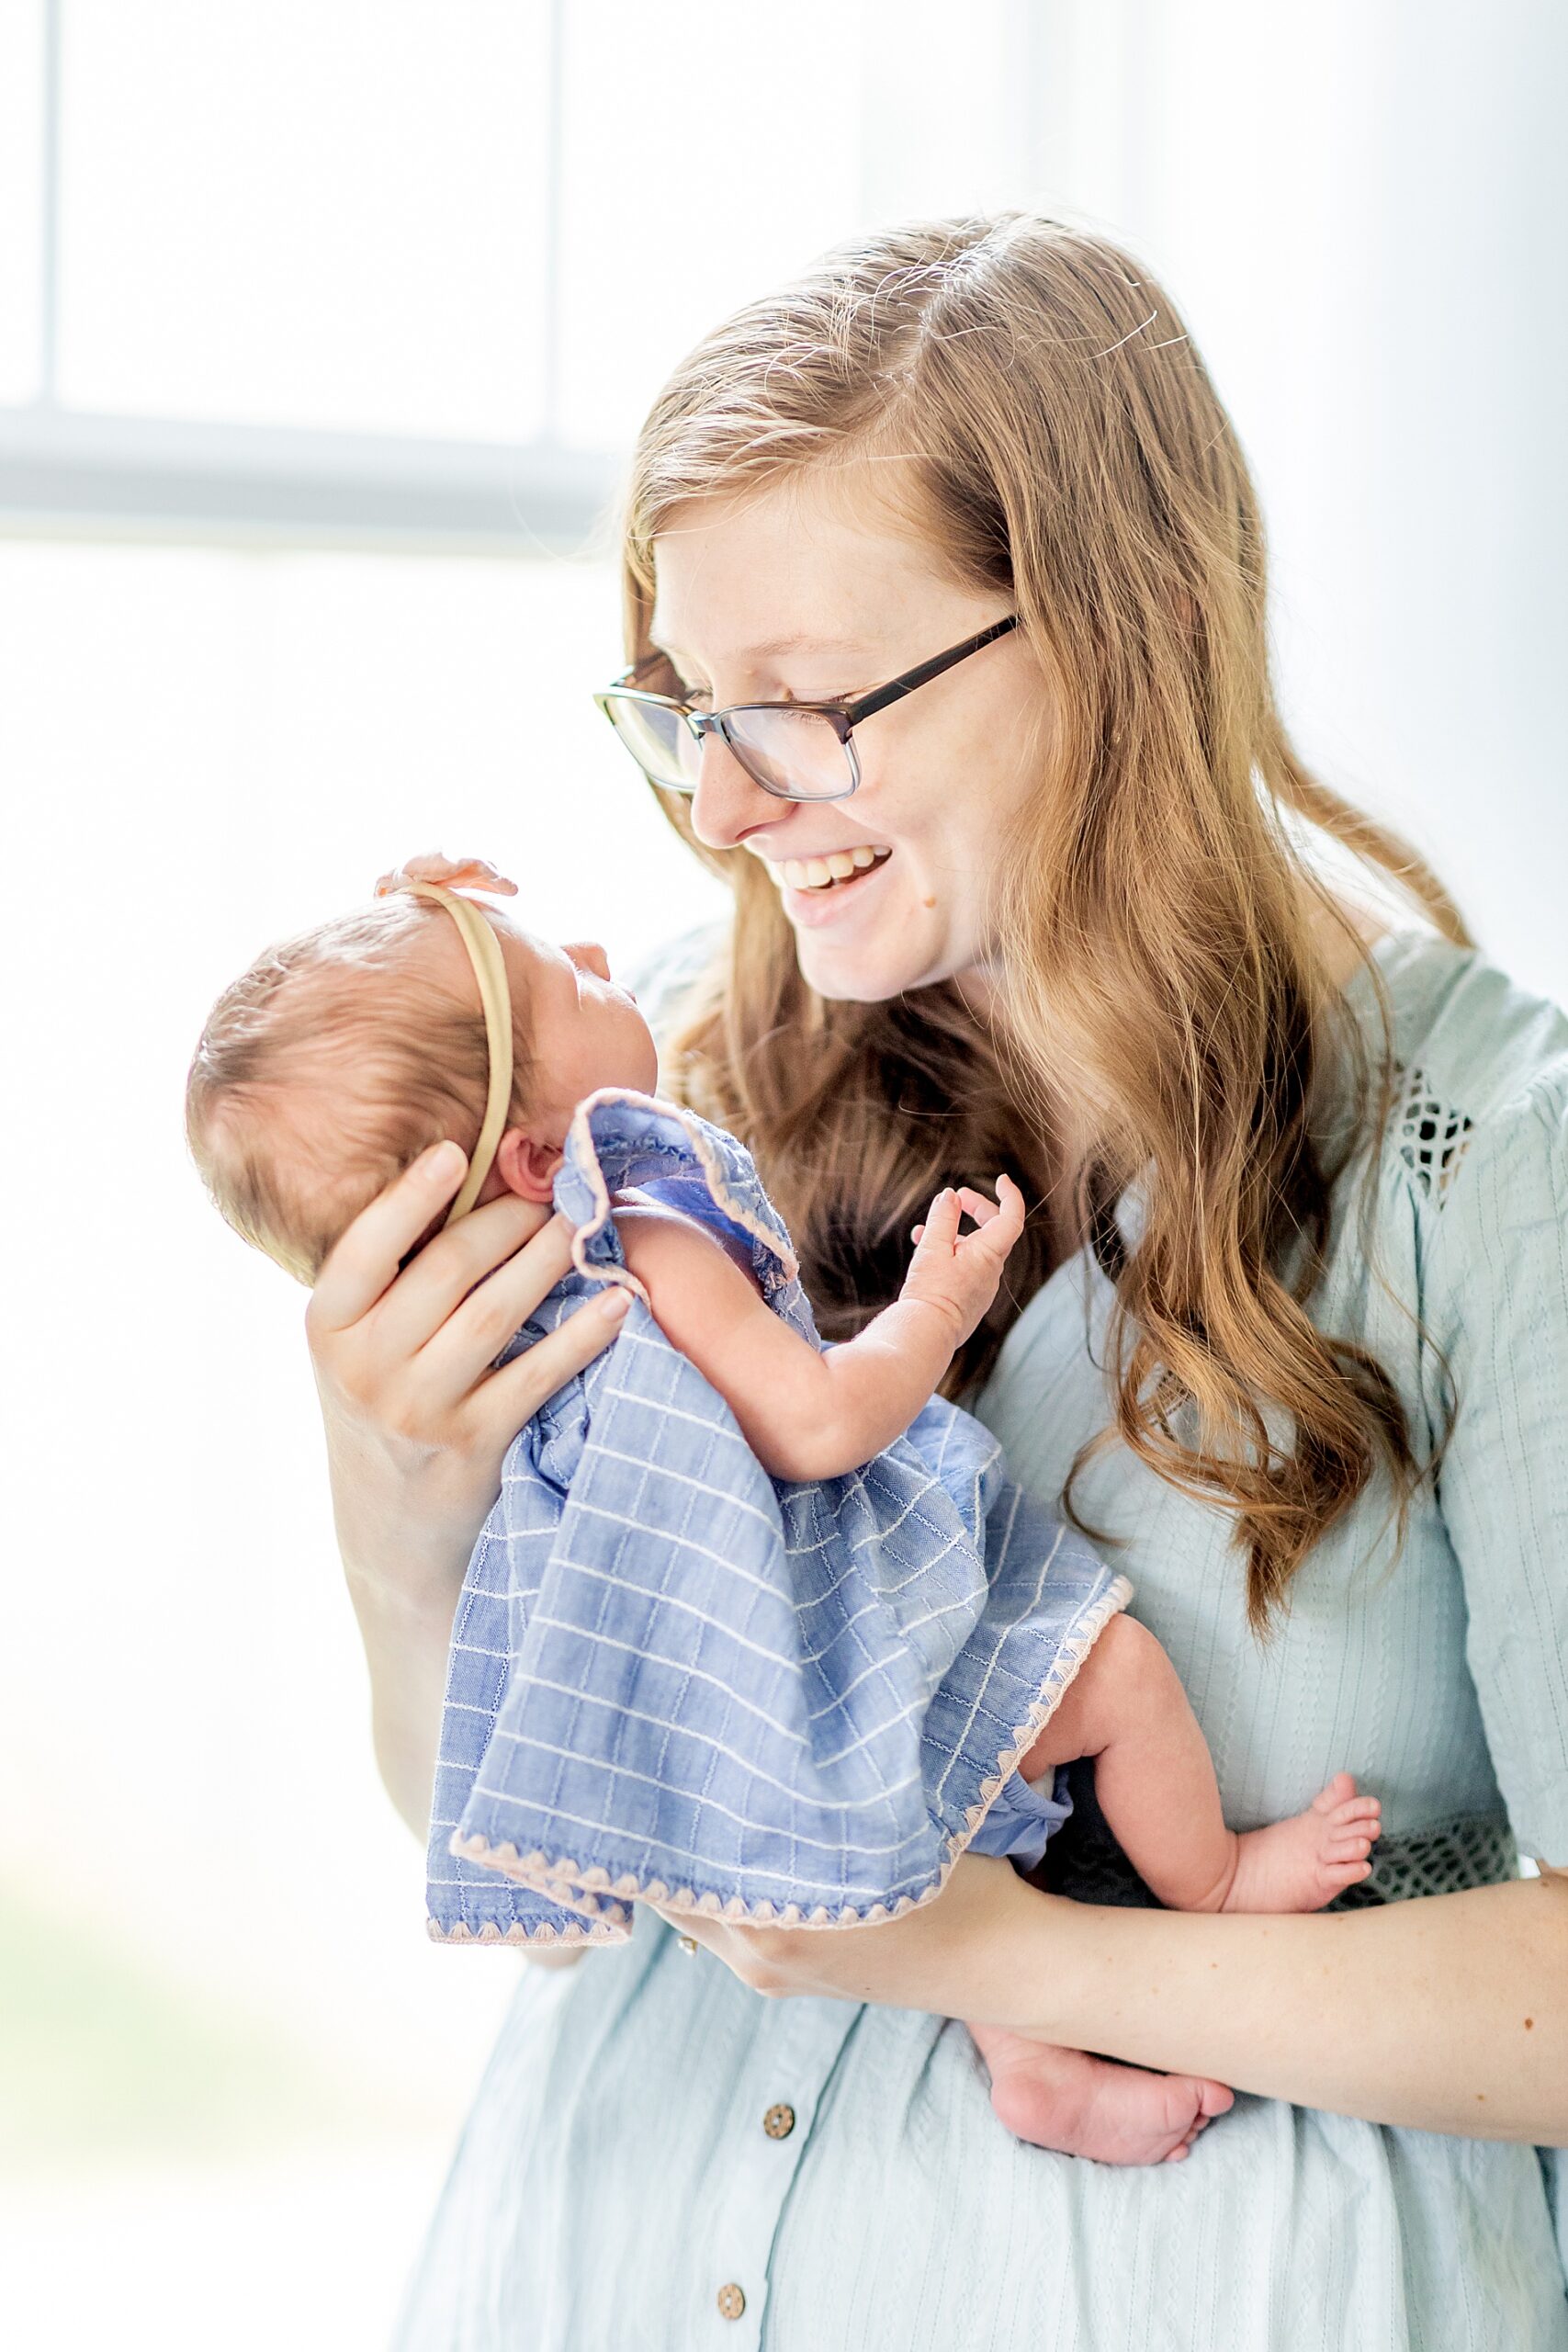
pixel 447 874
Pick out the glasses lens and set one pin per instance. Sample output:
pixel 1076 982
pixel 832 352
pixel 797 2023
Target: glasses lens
pixel 797 752
pixel 658 741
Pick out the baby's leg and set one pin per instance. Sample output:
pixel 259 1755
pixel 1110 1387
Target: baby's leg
pixel 1068 2099
pixel 1154 1782
pixel 1154 1779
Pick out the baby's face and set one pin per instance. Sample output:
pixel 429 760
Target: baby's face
pixel 585 1031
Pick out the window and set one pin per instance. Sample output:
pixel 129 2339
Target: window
pixel 339 267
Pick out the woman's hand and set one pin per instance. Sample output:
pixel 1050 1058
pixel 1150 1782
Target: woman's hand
pixel 417 1420
pixel 947 1956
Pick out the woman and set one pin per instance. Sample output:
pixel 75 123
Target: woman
pixel 1293 1336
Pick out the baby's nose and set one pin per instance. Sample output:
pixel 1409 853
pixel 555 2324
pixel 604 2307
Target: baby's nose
pixel 590 955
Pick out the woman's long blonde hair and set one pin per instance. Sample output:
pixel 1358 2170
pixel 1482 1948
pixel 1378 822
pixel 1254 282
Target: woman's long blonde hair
pixel 1153 920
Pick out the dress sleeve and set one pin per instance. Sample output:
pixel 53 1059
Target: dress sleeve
pixel 1494 1299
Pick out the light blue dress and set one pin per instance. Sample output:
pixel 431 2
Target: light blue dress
pixel 658 2158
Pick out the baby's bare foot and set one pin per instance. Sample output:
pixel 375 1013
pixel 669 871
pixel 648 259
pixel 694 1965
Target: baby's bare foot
pixel 1082 2106
pixel 1303 1863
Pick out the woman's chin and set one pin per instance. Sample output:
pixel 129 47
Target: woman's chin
pixel 858 974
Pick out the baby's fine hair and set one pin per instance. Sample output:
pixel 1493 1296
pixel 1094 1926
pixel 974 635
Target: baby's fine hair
pixel 328 1067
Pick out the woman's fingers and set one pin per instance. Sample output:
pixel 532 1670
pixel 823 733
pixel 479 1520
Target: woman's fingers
pixel 454 1359
pixel 366 1261
pixel 416 1347
pixel 741 1948
pixel 433 1285
pixel 514 1394
pixel 932 1958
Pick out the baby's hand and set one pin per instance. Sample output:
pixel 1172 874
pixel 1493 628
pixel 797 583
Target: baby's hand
pixel 959 1277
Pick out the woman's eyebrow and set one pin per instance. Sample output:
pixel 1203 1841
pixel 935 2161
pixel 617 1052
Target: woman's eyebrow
pixel 771 647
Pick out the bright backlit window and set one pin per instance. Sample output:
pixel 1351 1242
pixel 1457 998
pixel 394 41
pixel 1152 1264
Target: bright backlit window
pixel 299 215
pixel 379 266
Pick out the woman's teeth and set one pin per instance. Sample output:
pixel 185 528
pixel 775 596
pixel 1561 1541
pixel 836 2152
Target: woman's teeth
pixel 818 872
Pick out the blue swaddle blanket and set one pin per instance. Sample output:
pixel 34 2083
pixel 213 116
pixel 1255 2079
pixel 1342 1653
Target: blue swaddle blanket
pixel 674 1677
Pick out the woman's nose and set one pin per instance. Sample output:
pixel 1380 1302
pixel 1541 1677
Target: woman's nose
pixel 728 804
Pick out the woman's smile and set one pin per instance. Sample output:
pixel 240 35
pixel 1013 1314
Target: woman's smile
pixel 827 885
pixel 889 888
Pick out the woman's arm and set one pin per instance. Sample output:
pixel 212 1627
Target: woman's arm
pixel 417 1424
pixel 1449 2013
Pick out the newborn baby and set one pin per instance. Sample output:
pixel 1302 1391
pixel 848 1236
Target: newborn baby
pixel 756 1627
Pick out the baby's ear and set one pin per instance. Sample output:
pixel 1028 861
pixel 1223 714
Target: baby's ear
pixel 525 1166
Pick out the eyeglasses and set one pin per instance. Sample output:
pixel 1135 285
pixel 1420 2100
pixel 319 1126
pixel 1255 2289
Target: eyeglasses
pixel 796 751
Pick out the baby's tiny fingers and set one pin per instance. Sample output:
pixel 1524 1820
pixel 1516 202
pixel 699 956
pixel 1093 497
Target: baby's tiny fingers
pixel 942 1219
pixel 976 1205
pixel 1011 1201
pixel 1000 1221
pixel 917 1234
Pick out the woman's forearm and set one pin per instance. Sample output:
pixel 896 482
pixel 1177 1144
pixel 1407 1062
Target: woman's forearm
pixel 405 1649
pixel 1449 2014
pixel 1445 2014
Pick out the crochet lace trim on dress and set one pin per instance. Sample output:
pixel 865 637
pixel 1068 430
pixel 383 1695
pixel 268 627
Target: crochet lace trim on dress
pixel 607 1907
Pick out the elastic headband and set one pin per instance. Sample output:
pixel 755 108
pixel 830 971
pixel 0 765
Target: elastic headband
pixel 433 877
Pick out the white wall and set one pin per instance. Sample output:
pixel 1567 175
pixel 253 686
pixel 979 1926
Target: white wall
pixel 1361 211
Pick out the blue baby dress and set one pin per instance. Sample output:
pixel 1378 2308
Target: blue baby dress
pixel 672 1677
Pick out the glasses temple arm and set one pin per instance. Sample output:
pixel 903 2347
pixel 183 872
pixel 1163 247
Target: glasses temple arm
pixel 869 704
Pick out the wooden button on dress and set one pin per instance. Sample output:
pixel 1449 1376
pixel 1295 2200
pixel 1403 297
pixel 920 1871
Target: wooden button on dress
pixel 779 2121
pixel 731 2301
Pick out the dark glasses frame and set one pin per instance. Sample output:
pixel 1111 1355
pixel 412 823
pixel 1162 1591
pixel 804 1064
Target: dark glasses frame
pixel 842 716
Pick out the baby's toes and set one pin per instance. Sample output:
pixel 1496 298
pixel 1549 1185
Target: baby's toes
pixel 1175 2154
pixel 1350 1828
pixel 1338 1814
pixel 1340 1791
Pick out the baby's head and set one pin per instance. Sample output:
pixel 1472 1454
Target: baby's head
pixel 340 1055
